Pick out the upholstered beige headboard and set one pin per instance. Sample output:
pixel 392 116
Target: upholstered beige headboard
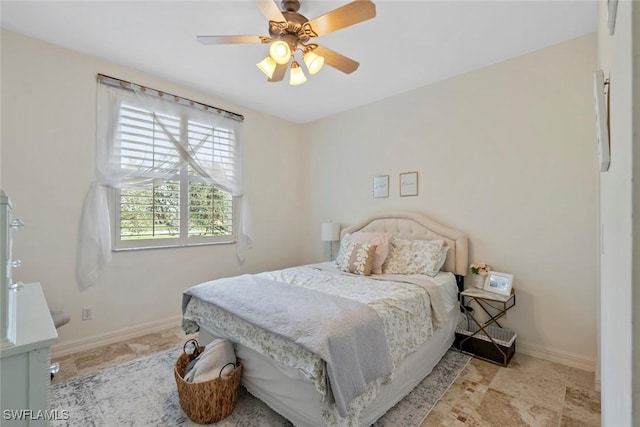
pixel 417 226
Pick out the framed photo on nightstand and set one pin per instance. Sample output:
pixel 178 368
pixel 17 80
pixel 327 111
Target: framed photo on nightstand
pixel 500 283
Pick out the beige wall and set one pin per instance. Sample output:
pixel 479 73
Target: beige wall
pixel 48 139
pixel 506 153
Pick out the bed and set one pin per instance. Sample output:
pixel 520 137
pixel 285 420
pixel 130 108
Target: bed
pixel 417 315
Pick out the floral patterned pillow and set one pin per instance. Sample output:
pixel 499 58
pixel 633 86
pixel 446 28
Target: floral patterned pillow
pixel 356 258
pixel 383 243
pixel 415 257
pixel 342 252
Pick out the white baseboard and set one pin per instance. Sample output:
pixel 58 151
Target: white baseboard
pixel 67 348
pixel 562 357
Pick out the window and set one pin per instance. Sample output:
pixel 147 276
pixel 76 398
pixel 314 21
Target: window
pixel 172 169
pixel 166 199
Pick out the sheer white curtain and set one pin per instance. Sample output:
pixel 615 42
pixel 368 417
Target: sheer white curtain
pixel 94 251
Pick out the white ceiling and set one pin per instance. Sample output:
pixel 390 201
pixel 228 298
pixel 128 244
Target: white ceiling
pixel 409 44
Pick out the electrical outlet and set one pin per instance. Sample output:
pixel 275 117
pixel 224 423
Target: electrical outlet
pixel 87 312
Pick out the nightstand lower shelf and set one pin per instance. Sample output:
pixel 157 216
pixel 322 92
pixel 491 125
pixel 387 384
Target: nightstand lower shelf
pixel 499 347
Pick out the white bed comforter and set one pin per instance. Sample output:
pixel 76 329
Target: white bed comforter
pixel 404 308
pixel 346 334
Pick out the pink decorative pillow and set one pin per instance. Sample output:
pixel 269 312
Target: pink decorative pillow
pixel 383 245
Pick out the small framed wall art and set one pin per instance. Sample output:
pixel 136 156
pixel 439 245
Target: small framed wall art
pixel 408 184
pixel 380 186
pixel 500 283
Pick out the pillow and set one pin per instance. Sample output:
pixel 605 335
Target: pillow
pixel 342 252
pixel 443 258
pixel 383 245
pixel 356 258
pixel 415 257
pixel 213 361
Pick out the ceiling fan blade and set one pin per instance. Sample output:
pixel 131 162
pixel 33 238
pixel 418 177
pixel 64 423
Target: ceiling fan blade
pixel 349 14
pixel 230 39
pixel 270 10
pixel 278 73
pixel 336 60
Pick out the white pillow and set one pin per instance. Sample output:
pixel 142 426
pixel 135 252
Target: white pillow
pixel 342 258
pixel 443 257
pixel 415 257
pixel 213 360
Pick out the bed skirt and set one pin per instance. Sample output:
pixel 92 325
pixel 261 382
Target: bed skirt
pixel 288 393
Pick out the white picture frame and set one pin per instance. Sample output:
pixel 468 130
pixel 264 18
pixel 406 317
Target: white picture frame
pixel 499 283
pixel 602 127
pixel 380 186
pixel 408 184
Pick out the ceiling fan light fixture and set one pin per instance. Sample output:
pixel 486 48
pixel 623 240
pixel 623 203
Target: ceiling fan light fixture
pixel 290 32
pixel 296 76
pixel 267 66
pixel 313 61
pixel 280 52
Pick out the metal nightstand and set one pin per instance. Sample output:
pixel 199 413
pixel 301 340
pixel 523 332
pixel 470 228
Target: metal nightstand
pixel 487 340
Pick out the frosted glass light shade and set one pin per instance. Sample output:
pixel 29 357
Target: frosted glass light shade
pixel 280 52
pixel 296 76
pixel 313 61
pixel 330 232
pixel 267 66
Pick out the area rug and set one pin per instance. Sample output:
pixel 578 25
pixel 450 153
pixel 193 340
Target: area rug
pixel 143 393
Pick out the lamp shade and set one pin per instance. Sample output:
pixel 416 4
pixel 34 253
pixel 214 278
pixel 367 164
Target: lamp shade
pixel 280 52
pixel 330 232
pixel 267 66
pixel 297 76
pixel 313 61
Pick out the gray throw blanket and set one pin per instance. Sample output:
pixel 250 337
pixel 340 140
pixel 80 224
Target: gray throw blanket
pixel 346 334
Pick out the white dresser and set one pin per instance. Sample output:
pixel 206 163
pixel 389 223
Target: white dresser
pixel 25 345
pixel 24 366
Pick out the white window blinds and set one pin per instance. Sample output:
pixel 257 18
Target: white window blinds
pixel 172 199
pixel 176 169
pixel 144 144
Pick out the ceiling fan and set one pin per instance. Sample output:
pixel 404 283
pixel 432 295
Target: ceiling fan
pixel 289 32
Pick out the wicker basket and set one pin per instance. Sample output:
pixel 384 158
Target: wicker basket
pixel 210 401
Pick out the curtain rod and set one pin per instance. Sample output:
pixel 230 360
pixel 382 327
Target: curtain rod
pixel 125 84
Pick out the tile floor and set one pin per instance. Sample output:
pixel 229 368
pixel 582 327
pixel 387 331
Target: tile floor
pixel 529 392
